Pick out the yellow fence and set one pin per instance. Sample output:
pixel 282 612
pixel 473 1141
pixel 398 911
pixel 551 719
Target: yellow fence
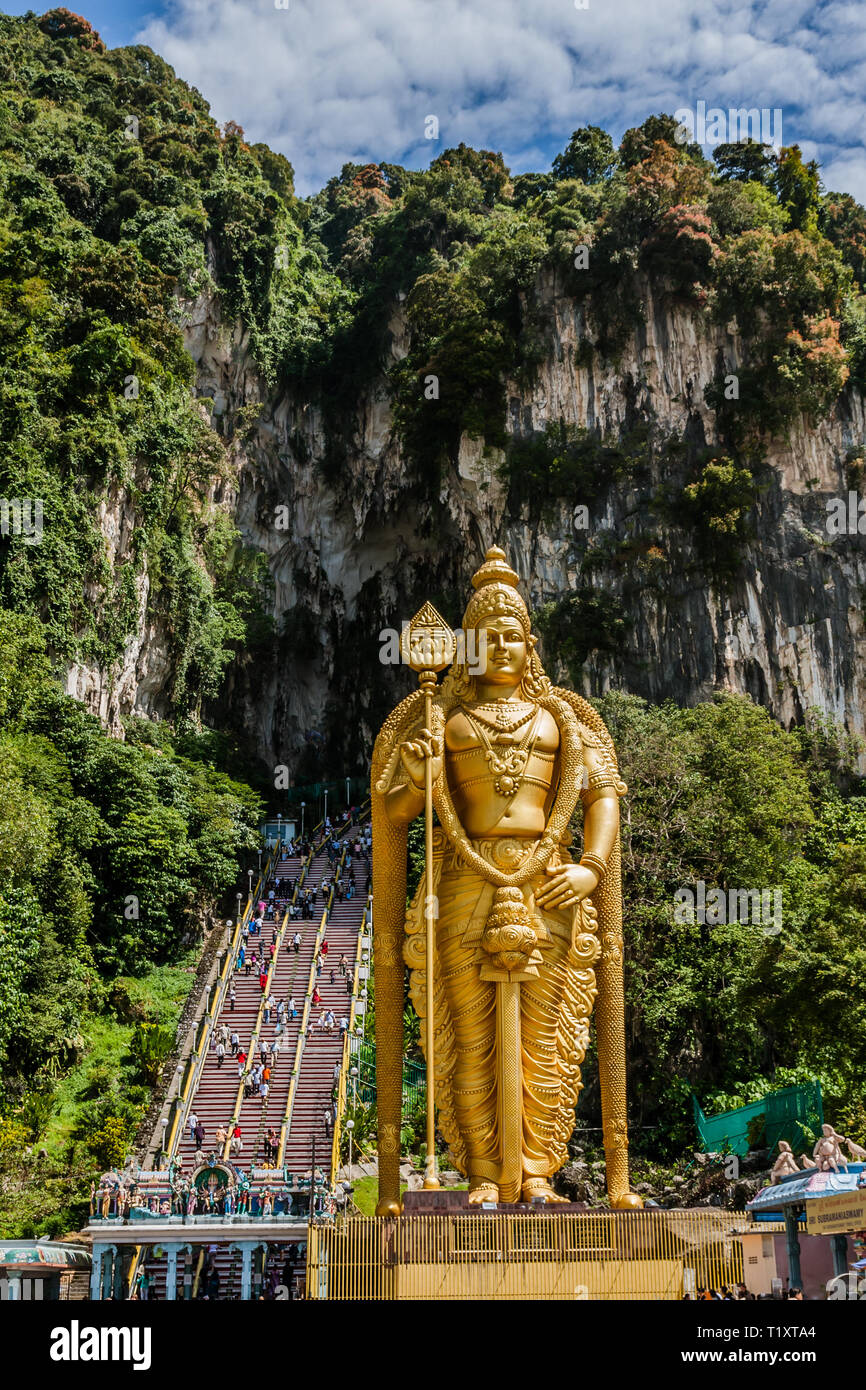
pixel 552 1255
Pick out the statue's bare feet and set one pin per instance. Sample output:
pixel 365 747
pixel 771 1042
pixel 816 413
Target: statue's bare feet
pixel 538 1189
pixel 629 1201
pixel 481 1190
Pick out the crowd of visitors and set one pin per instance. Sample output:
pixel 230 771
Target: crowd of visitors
pixel 283 1276
pixel 737 1292
pixel 258 1058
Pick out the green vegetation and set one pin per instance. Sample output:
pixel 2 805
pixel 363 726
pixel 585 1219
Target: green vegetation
pixel 721 794
pixel 113 855
pixel 578 624
pixel 114 185
pixel 565 462
pixel 119 193
pixel 366 1194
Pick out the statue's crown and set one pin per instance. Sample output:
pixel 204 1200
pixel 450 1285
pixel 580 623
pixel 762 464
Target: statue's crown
pixel 495 570
pixel 496 592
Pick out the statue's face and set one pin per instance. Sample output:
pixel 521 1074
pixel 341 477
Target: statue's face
pixel 502 651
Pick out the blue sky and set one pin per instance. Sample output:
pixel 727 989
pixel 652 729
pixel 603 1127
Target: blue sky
pixel 118 21
pixel 326 81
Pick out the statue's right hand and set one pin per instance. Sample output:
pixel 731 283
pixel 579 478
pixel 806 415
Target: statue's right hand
pixel 414 755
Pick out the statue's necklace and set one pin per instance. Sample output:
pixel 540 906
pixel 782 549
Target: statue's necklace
pixel 500 723
pixel 506 764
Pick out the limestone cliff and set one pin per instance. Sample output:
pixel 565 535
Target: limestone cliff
pixel 360 555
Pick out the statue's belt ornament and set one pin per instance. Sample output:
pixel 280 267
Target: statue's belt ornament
pixel 510 938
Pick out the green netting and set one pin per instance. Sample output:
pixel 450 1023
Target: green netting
pixel 414 1078
pixel 795 1113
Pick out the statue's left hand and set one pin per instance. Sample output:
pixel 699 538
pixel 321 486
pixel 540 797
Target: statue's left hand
pixel 569 884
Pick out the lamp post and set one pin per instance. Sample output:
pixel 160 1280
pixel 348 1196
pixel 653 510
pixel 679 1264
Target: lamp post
pixel 303 809
pixel 347 793
pixel 325 817
pixel 350 1125
pixel 178 1084
pixel 279 828
pixel 260 862
pixel 353 1072
pixel 163 1156
pixel 250 879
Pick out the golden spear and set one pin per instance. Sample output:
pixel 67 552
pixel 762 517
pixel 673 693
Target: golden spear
pixel 428 646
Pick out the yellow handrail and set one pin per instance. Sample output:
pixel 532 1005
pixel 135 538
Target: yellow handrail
pixel 602 1255
pixel 257 1027
pixel 198 1052
pixel 133 1271
pixel 344 1067
pixel 305 1017
pixel 239 1098
pixel 197 1276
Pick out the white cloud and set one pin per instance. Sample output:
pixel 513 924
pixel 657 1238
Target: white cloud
pixel 846 173
pixel 329 80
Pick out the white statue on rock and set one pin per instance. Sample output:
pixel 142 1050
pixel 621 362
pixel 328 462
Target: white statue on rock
pixel 786 1162
pixel 827 1152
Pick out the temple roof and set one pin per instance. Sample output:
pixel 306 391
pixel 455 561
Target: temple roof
pixel 43 1256
pixel 803 1187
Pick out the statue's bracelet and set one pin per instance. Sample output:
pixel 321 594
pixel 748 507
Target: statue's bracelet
pixel 595 862
pixel 414 785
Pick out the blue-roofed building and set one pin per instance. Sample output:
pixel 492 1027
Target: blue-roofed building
pixel 824 1214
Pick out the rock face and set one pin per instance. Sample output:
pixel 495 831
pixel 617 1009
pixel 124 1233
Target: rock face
pixel 138 683
pixel 704 1181
pixel 357 554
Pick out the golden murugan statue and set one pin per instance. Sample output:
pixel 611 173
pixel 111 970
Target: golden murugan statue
pixel 524 938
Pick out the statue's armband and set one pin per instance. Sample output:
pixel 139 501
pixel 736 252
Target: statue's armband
pixel 601 775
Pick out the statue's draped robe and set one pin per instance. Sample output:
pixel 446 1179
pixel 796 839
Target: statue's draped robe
pixel 554 1014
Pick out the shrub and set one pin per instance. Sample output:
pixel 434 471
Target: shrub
pixel 719 500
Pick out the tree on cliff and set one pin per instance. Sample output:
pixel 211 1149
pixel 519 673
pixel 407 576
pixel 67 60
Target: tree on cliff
pixel 61 23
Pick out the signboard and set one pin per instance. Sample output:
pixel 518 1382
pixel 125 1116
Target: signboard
pixel 836 1215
